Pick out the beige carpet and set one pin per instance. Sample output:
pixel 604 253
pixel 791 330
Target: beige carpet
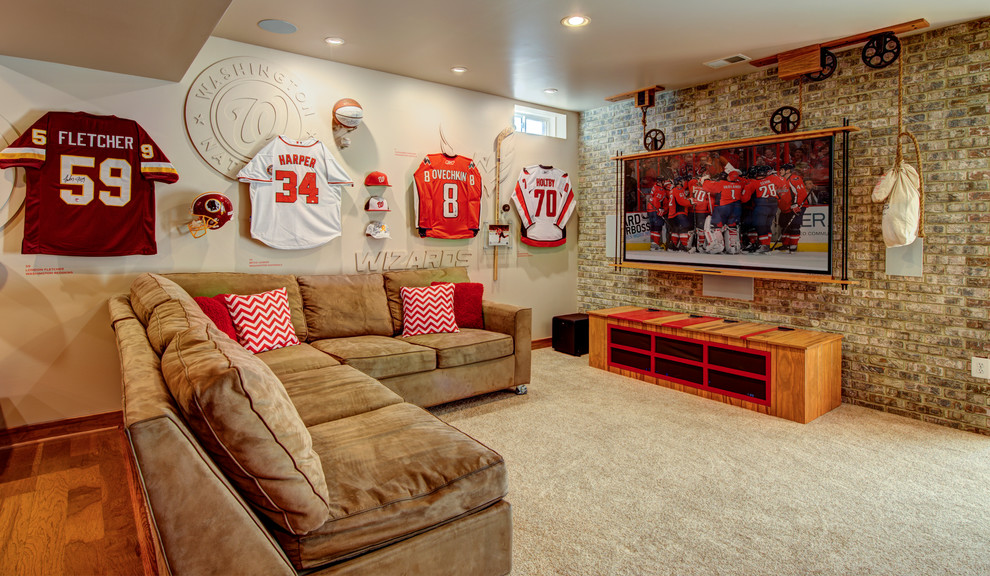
pixel 611 476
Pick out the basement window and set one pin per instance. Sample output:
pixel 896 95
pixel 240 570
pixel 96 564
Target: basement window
pixel 539 122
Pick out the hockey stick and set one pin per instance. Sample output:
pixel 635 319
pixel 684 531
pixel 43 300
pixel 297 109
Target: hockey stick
pixel 782 230
pixel 505 133
pixel 666 226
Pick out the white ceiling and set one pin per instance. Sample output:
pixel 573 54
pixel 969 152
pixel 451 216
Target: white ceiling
pixel 512 48
pixel 136 37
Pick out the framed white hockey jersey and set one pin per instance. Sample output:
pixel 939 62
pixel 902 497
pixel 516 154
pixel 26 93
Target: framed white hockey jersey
pixel 295 193
pixel 544 201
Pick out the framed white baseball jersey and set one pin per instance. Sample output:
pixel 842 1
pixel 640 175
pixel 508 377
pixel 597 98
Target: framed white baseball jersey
pixel 545 201
pixel 295 193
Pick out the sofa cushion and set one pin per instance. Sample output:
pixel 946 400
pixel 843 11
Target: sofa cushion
pixel 428 309
pixel 335 392
pixel 404 471
pixel 465 347
pixel 379 356
pixel 171 318
pixel 213 283
pixel 394 281
pixel 467 304
pixel 345 305
pixel 244 418
pixel 148 291
pixel 263 321
pixel 448 384
pixel 292 359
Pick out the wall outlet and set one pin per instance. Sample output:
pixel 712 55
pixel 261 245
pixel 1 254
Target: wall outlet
pixel 981 367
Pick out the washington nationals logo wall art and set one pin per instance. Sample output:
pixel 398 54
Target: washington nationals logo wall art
pixel 11 181
pixel 236 106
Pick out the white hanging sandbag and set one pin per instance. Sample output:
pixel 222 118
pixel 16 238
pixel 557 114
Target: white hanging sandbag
pixel 899 188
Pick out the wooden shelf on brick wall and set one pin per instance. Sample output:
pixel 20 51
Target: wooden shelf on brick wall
pixel 742 273
pixel 794 374
pixel 754 141
pixel 807 60
pixel 635 93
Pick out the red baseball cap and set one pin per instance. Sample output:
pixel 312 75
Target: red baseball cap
pixel 377 179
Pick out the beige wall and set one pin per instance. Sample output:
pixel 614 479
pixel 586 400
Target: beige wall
pixel 57 355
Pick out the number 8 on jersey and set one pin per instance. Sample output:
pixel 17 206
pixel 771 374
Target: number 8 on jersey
pixel 448 197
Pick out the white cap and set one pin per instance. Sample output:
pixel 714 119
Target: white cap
pixel 377 230
pixel 376 204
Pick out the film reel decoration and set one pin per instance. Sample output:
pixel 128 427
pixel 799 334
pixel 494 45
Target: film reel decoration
pixel 785 119
pixel 881 50
pixel 828 67
pixel 654 140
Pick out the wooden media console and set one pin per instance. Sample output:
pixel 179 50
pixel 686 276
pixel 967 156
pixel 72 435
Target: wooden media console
pixel 794 374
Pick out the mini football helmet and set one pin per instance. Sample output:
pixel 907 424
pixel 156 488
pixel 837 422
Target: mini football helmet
pixel 210 210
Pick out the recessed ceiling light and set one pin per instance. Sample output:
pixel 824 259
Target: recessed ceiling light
pixel 277 26
pixel 575 21
pixel 458 69
pixel 550 90
pixel 334 41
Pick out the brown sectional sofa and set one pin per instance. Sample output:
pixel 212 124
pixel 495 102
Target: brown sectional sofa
pixel 316 458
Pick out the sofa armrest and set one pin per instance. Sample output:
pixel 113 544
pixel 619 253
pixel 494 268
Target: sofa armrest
pixel 120 309
pixel 202 523
pixel 517 322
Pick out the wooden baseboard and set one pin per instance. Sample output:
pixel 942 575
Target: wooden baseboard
pixel 542 343
pixel 67 427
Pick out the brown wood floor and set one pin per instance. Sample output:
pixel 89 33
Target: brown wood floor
pixel 66 507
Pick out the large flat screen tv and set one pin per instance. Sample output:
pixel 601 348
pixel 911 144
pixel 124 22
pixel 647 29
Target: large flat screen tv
pixel 764 207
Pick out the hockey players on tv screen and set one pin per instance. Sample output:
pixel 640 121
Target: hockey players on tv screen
pixel 766 207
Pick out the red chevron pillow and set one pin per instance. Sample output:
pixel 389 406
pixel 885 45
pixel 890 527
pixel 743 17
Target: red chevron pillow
pixel 263 321
pixel 428 310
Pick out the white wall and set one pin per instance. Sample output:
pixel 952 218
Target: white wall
pixel 57 353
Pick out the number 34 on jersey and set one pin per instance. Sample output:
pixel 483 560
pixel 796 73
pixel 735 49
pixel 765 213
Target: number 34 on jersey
pixel 295 193
pixel 447 197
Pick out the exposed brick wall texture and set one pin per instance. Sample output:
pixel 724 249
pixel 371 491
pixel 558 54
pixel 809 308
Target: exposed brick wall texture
pixel 907 340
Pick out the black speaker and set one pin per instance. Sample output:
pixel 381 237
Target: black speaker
pixel 570 334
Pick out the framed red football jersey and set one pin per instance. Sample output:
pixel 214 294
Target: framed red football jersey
pixel 447 197
pixel 90 185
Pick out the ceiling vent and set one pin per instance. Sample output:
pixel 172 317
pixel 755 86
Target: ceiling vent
pixel 721 62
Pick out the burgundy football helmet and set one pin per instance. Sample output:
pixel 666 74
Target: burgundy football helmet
pixel 210 210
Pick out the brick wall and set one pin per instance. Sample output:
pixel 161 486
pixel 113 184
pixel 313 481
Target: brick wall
pixel 907 340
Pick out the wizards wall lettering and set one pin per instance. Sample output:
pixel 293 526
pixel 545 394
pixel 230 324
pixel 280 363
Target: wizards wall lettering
pixel 386 260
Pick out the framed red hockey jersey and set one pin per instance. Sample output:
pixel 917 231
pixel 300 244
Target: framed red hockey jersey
pixel 295 193
pixel 545 201
pixel 90 185
pixel 447 197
